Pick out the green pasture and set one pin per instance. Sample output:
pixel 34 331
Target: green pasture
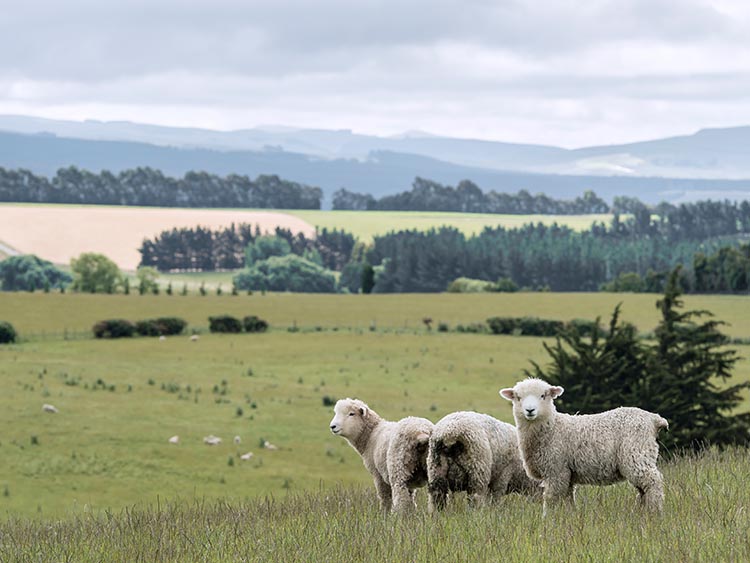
pixel 120 401
pixel 367 224
pixel 38 314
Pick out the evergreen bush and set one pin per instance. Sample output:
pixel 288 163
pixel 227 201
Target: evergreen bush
pixel 7 333
pixel 224 323
pixel 254 324
pixel 114 328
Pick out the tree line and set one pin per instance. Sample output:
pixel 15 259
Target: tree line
pixel 205 249
pixel 467 197
pixel 149 187
pixel 540 257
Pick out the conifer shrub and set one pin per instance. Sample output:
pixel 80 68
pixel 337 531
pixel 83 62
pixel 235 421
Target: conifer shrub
pixel 253 323
pixel 7 333
pixel 114 328
pixel 224 323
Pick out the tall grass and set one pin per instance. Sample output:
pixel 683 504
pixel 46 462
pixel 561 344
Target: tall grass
pixel 705 519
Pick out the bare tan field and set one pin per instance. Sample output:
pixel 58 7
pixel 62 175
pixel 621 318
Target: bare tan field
pixel 61 232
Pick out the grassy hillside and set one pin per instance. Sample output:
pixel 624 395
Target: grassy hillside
pixel 366 224
pixel 705 519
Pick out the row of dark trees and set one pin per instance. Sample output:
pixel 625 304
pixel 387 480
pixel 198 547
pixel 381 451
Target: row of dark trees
pixel 552 257
pixel 467 197
pixel 204 249
pixel 149 187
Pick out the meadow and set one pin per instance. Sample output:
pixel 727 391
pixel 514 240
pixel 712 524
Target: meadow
pixel 99 480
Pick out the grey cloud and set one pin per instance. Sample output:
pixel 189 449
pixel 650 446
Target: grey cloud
pixel 84 40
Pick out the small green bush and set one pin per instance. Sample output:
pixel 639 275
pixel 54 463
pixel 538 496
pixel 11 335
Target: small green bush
pixel 224 323
pixel 254 324
pixel 148 327
pixel 527 326
pixel 7 333
pixel 114 328
pixel 468 285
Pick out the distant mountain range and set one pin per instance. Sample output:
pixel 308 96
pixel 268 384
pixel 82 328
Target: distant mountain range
pixel 712 163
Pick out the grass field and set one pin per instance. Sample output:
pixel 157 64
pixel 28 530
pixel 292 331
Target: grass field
pixel 37 313
pixel 366 224
pixel 121 400
pixel 705 519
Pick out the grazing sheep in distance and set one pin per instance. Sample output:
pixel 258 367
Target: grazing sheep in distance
pixel 174 440
pixel 566 450
pixel 269 446
pixel 395 453
pixel 478 454
pixel 247 456
pixel 49 408
pixel 212 440
pixel 237 440
pixel 194 338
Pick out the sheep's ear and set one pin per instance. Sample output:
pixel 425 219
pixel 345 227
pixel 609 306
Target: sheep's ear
pixel 363 411
pixel 555 392
pixel 507 393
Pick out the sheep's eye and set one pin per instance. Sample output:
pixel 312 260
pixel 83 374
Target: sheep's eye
pixel 542 396
pixel 351 414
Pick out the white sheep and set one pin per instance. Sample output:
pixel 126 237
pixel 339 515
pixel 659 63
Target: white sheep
pixel 565 450
pixel 50 408
pixel 194 338
pixel 395 453
pixel 174 439
pixel 212 440
pixel 237 440
pixel 478 454
pixel 247 456
pixel 269 446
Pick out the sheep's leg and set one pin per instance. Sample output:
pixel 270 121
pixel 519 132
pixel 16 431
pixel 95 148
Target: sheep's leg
pixel 403 498
pixel 650 485
pixel 477 495
pixel 558 490
pixel 438 494
pixel 384 493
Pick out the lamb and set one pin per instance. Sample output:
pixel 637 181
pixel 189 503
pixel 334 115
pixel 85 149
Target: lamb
pixel 394 453
pixel 49 408
pixel 211 440
pixel 476 453
pixel 565 450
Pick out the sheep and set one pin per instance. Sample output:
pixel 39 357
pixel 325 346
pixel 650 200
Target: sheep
pixel 394 453
pixel 269 446
pixel 174 440
pixel 247 456
pixel 237 440
pixel 565 450
pixel 476 453
pixel 212 440
pixel 194 338
pixel 49 408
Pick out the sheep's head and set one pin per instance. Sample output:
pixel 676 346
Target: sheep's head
pixel 349 418
pixel 532 399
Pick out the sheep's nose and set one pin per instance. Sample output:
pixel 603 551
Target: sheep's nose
pixel 530 411
pixel 333 427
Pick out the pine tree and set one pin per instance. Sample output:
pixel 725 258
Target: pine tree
pixel 683 377
pixel 688 376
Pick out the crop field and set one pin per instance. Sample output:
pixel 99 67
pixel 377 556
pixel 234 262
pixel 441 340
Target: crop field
pixel 366 224
pixel 61 232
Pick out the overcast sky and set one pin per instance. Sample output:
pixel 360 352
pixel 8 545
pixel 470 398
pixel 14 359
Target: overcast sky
pixel 562 72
